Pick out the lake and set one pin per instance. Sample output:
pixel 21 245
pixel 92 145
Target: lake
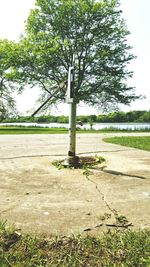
pixel 96 126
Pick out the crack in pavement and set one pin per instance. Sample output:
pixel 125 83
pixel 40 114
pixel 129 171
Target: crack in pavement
pixel 32 156
pixel 60 155
pixel 115 213
pixel 100 151
pixel 114 225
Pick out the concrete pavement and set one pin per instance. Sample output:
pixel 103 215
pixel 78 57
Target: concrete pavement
pixel 37 197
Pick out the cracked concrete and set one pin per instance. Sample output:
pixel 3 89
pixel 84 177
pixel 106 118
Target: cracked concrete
pixel 37 197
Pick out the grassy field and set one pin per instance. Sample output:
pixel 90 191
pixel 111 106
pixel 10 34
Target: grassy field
pixel 127 248
pixel 36 130
pixel 40 130
pixel 140 142
pixel 31 130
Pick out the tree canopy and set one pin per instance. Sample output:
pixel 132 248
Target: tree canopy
pixel 8 77
pixel 92 30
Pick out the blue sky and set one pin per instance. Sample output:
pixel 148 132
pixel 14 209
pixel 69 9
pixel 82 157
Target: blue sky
pixel 13 13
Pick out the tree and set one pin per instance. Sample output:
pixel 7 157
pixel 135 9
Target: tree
pixel 92 30
pixel 94 33
pixel 8 77
pixel 145 117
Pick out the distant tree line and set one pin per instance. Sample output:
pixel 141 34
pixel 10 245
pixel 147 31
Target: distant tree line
pixel 132 116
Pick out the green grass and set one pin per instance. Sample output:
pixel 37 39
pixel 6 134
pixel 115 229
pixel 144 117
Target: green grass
pixel 36 130
pixel 126 249
pixel 140 142
pixel 31 130
pixel 40 130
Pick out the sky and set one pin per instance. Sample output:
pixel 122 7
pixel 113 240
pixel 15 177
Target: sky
pixel 13 14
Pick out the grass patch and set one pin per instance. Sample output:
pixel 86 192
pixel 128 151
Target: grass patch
pixel 140 142
pixel 31 130
pixel 42 130
pixel 117 249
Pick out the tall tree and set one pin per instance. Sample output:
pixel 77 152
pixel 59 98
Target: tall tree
pixel 8 77
pixel 92 30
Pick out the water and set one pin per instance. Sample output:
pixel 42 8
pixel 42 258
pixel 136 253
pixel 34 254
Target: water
pixel 121 126
pixel 96 126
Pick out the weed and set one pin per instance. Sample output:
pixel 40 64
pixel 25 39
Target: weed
pixel 87 172
pixel 99 159
pixel 127 248
pixel 105 216
pixel 3 226
pixel 85 163
pixel 121 219
pixel 58 164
